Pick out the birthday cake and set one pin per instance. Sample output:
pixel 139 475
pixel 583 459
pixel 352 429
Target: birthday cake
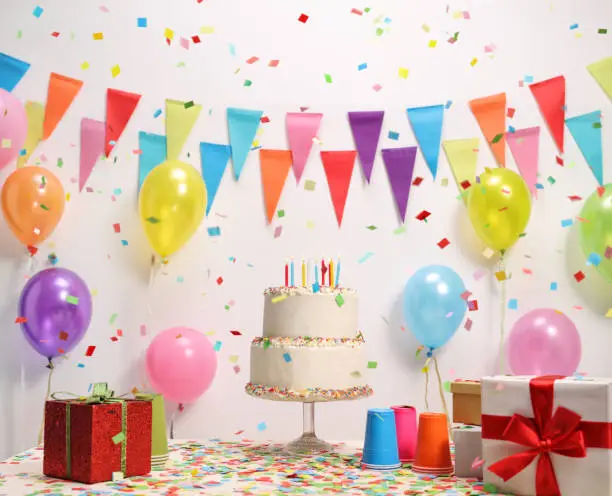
pixel 311 349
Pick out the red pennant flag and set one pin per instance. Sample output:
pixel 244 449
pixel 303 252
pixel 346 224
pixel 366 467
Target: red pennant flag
pixel 275 165
pixel 490 112
pixel 339 170
pixel 550 95
pixel 120 106
pixel 61 93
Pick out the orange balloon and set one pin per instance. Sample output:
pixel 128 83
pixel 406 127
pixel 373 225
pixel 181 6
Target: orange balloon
pixel 32 203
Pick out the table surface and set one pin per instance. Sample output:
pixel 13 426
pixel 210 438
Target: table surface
pixel 240 467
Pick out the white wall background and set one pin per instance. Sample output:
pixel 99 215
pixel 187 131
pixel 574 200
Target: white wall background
pixel 532 38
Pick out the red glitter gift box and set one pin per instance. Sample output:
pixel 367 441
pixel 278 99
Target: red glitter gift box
pixel 88 439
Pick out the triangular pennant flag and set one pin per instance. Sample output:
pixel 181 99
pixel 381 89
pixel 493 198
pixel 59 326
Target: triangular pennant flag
pixel 550 95
pixel 462 156
pixel 586 131
pixel 338 168
pixel 11 71
pixel 152 153
pixel 120 106
pixel 426 124
pixel 524 145
pixel 214 159
pixel 275 165
pixel 366 128
pixel 400 166
pixel 36 115
pixel 92 147
pixel 62 91
pixel 180 119
pixel 490 112
pixel 302 128
pixel 602 72
pixel 243 125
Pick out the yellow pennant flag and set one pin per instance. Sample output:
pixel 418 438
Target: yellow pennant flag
pixel 462 155
pixel 35 112
pixel 180 119
pixel 602 72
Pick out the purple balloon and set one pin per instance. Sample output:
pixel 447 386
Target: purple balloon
pixel 544 342
pixel 56 304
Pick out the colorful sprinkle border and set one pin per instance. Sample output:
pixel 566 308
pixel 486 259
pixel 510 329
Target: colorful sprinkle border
pixel 306 342
pixel 307 395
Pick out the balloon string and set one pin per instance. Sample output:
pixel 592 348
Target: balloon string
pixel 426 385
pixel 152 277
pixel 502 316
pixel 51 368
pixel 441 389
pixel 179 409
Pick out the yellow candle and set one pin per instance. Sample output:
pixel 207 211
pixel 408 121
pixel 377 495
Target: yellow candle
pixel 331 273
pixel 303 273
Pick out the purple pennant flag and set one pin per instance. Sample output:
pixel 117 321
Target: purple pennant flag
pixel 366 128
pixel 400 165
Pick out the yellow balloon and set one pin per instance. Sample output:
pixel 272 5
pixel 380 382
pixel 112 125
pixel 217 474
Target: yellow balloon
pixel 499 207
pixel 171 204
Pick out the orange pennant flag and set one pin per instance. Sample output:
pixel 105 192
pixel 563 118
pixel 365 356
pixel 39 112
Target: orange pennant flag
pixel 275 165
pixel 490 112
pixel 62 91
pixel 339 170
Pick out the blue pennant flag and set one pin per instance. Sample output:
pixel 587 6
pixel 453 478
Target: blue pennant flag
pixel 11 71
pixel 243 125
pixel 214 158
pixel 426 124
pixel 586 131
pixel 152 153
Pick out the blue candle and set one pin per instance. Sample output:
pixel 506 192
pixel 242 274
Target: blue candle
pixel 337 274
pixel 292 273
pixel 316 267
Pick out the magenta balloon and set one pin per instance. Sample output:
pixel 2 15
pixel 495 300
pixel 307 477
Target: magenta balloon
pixel 181 364
pixel 56 305
pixel 544 342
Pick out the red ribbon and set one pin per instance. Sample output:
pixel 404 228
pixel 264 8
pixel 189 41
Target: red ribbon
pixel 564 433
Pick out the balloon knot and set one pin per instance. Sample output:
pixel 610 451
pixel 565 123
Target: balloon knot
pixel 430 353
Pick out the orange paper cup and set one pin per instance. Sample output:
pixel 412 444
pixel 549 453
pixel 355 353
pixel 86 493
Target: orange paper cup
pixel 433 449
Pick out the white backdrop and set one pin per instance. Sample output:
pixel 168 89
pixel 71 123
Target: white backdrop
pixel 531 39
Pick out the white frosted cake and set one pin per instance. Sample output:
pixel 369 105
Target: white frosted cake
pixel 311 349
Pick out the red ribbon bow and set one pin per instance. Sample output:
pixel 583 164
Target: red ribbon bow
pixel 563 433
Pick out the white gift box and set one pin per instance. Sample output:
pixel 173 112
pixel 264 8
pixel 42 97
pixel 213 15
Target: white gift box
pixel 468 451
pixel 505 396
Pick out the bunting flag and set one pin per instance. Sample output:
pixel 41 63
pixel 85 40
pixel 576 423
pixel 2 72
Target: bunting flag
pixel 152 153
pixel 400 166
pixel 586 131
pixel 366 127
pixel 275 165
pixel 524 145
pixel 243 125
pixel 92 147
pixel 12 71
pixel 61 93
pixel 490 112
pixel 602 73
pixel 35 112
pixel 550 95
pixel 180 119
pixel 120 106
pixel 338 166
pixel 427 124
pixel 462 156
pixel 302 128
pixel 213 158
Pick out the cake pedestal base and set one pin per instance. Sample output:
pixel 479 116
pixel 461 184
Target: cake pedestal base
pixel 308 442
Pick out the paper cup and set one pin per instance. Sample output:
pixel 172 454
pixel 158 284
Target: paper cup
pixel 380 445
pixel 406 428
pixel 159 440
pixel 433 448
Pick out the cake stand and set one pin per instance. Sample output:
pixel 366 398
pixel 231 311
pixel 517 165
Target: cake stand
pixel 308 442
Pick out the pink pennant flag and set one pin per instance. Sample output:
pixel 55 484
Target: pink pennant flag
pixel 92 147
pixel 524 145
pixel 302 128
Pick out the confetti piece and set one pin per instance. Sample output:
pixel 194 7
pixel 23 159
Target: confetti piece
pixel 169 34
pixel 594 259
pixel 473 62
pixel 235 333
pixel 278 231
pixel 280 213
pixel 115 70
pixel 433 43
pixel 393 135
pixel 218 345
pixel 443 243
pixel 403 72
pixel 309 185
pixel 417 181
pixel 468 324
pixel 117 227
pixel 303 18
pixel 553 286
pixel 98 36
pixel 214 231
pixel 316 287
pixel 365 257
pixel 377 87
pixel 38 10
pixel 501 275
pixel 574 26
pixel 473 305
pixel 73 300
pixel 287 357
pixel 279 298
pixel 152 220
pixel 478 462
pixel 141 22
pixel 339 300
pixel 609 313
pixel 608 253
pixel 63 336
pixel 513 304
pixel 566 222
pixel 119 438
pixel 372 365
pixel 602 31
pixel 423 215
pixel 21 320
pixel 143 330
pixel 112 319
pixel 579 276
pixel 362 67
pixel 328 78
pixel 90 351
pixel 261 426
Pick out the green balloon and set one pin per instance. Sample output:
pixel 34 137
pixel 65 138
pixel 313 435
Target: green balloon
pixel 596 230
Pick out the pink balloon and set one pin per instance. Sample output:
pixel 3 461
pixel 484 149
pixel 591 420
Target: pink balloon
pixel 181 364
pixel 13 127
pixel 544 342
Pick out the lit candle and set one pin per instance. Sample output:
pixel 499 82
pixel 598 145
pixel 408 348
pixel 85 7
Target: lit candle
pixel 286 274
pixel 331 273
pixel 304 280
pixel 292 273
pixel 323 271
pixel 337 274
pixel 316 267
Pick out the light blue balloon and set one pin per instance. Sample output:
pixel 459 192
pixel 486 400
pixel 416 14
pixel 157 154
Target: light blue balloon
pixel 433 307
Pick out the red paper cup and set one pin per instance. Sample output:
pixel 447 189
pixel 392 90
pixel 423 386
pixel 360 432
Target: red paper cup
pixel 433 449
pixel 406 427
